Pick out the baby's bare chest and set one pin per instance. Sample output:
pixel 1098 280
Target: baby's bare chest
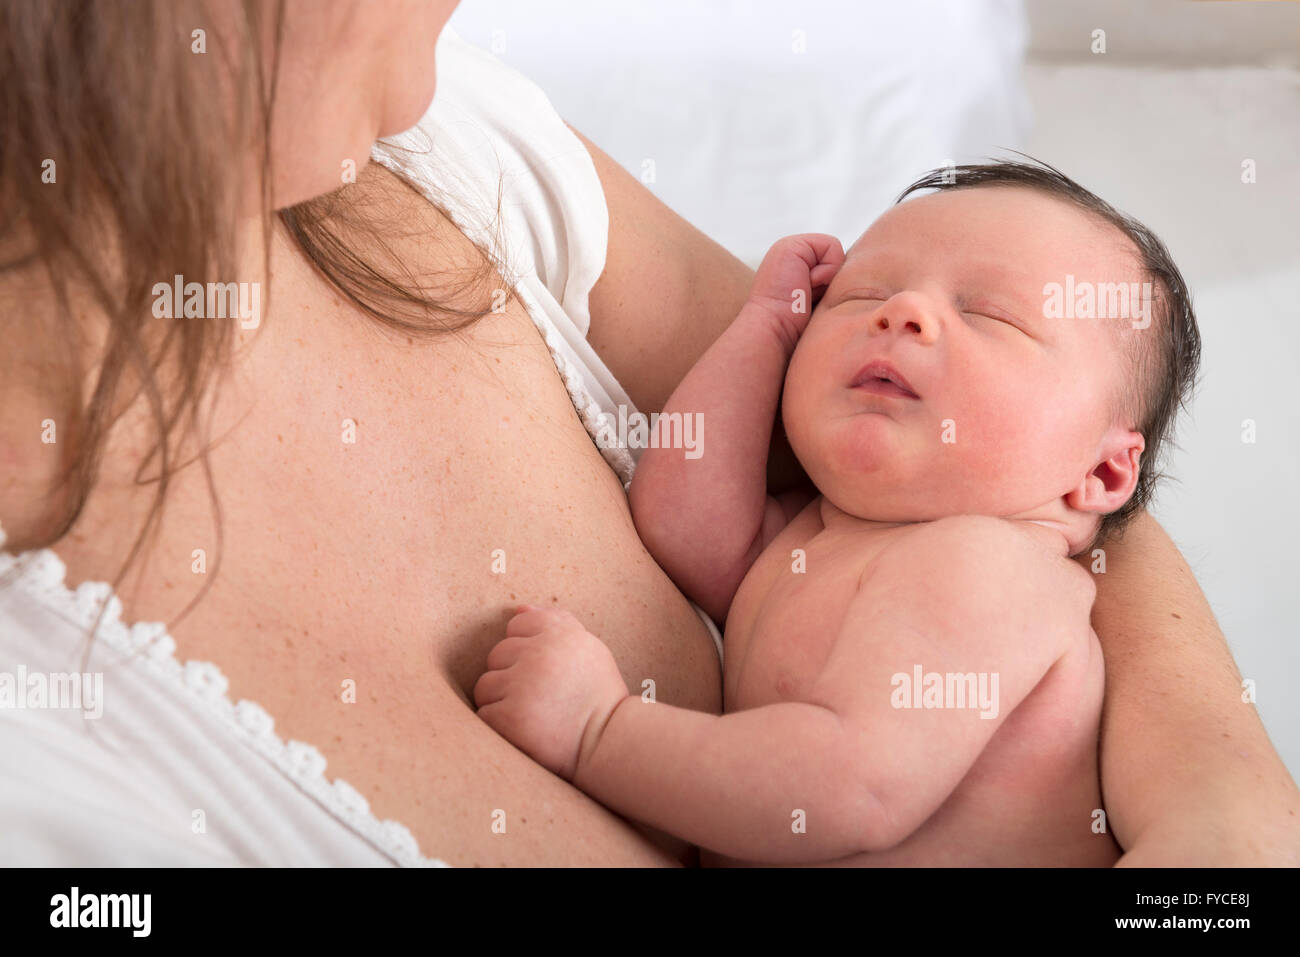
pixel 789 611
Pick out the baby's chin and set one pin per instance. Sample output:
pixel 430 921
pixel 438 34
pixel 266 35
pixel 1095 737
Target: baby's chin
pixel 870 506
pixel 892 498
pixel 841 447
pixel 896 488
pixel 879 470
pixel 872 495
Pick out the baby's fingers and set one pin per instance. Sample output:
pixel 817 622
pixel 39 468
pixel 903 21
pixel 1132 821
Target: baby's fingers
pixel 822 274
pixel 497 717
pixel 528 620
pixel 822 254
pixel 507 651
pixel 490 688
pixel 828 250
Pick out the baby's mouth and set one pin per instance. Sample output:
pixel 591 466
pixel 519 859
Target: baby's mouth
pixel 881 378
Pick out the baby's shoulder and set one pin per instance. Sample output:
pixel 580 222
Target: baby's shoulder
pixel 992 555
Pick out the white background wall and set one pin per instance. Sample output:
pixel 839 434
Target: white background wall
pixel 751 139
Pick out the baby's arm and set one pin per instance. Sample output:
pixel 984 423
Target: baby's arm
pixel 863 773
pixel 706 519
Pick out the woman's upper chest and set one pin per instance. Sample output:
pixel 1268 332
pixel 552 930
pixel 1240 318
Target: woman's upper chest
pixel 384 504
pixel 397 495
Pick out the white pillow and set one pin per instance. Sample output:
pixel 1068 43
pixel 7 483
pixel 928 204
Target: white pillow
pixel 759 118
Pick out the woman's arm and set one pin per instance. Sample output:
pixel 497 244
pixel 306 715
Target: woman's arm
pixel 666 294
pixel 1189 775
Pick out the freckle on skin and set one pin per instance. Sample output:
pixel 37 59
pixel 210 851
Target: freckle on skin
pixel 1175 614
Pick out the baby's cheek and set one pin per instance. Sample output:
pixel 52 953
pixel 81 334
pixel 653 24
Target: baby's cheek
pixel 990 436
pixel 799 420
pixel 799 393
pixel 1019 452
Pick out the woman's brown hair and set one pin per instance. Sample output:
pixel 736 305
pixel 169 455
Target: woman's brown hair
pixel 120 167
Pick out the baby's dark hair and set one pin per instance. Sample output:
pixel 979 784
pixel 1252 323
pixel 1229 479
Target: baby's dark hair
pixel 1165 364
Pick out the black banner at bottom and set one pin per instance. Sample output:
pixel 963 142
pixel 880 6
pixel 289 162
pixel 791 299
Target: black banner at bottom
pixel 663 908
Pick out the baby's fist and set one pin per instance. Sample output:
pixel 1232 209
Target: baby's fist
pixel 792 277
pixel 550 687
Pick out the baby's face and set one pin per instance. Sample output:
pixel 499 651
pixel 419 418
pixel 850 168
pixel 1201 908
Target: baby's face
pixel 1008 409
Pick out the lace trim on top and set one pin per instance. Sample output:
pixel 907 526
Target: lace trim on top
pixel 417 170
pixel 201 684
pixel 588 409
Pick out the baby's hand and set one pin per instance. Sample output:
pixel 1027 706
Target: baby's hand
pixel 791 279
pixel 550 687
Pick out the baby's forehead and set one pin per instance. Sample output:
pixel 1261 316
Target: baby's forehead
pixel 1045 233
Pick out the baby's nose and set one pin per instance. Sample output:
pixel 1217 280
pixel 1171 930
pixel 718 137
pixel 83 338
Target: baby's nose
pixel 907 313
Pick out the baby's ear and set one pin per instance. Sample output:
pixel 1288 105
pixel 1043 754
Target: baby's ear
pixel 1112 480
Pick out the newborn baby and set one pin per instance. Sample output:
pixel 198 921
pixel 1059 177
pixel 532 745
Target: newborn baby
pixel 910 673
